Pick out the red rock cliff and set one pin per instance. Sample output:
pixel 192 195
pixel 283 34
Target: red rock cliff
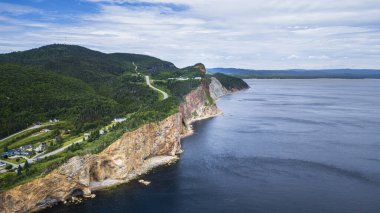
pixel 133 154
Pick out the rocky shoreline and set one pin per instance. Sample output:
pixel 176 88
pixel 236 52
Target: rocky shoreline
pixel 134 154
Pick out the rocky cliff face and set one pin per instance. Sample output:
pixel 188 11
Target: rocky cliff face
pixel 133 154
pixel 216 89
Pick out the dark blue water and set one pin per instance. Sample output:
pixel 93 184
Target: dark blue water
pixel 282 146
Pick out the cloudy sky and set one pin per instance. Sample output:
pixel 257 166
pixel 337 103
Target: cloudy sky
pixel 258 34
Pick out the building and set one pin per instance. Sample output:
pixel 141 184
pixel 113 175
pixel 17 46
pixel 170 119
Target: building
pixel 41 147
pixel 119 120
pixel 26 153
pixel 101 132
pixel 28 147
pixel 86 136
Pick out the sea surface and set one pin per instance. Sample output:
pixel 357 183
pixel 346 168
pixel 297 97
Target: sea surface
pixel 281 146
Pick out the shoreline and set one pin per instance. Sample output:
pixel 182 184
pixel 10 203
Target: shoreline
pixel 190 130
pixel 151 163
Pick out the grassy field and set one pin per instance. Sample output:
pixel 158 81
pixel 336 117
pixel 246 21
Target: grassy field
pixel 32 139
pixel 20 135
pixel 72 140
pixel 14 161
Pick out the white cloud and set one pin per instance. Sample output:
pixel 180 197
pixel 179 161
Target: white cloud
pixel 318 57
pixel 291 57
pixel 261 34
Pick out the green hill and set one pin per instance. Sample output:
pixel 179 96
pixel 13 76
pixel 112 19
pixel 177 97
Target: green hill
pixel 85 87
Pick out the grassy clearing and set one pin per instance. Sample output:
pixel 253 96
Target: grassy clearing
pixel 20 135
pixel 72 140
pixel 32 139
pixel 14 160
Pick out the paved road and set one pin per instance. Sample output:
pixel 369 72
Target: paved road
pixel 35 158
pixel 33 127
pixel 14 165
pixel 150 85
pixel 135 66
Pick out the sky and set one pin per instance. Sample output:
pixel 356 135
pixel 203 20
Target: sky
pixel 253 34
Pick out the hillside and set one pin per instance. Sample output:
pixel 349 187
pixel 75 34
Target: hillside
pixel 61 101
pixel 84 87
pixel 299 74
pixel 230 82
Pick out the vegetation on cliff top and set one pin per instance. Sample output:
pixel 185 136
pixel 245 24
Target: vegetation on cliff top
pixel 87 90
pixel 230 82
pixel 85 87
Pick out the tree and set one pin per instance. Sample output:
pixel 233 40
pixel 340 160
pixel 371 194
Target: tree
pixel 17 160
pixel 26 165
pixel 19 170
pixel 56 132
pixel 8 167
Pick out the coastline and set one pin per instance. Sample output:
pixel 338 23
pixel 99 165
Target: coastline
pixel 131 156
pixel 151 163
pixel 148 166
pixel 190 130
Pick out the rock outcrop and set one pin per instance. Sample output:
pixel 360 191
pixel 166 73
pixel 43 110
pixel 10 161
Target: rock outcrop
pixel 135 153
pixel 216 89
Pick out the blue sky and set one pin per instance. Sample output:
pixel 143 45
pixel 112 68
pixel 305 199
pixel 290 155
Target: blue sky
pixel 258 34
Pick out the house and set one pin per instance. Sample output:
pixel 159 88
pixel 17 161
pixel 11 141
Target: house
pixel 2 164
pixel 101 132
pixel 198 78
pixel 27 147
pixel 179 79
pixel 26 153
pixel 41 147
pixel 119 120
pixel 86 136
pixel 45 130
pixel 37 123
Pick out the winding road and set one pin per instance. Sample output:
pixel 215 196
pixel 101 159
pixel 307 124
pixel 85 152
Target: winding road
pixel 150 85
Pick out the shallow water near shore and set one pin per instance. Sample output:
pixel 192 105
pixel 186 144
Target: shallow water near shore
pixel 281 146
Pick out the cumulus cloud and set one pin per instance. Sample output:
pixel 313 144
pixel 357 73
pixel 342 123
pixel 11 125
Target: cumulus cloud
pixel 261 34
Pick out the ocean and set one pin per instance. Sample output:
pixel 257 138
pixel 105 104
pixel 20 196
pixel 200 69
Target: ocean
pixel 281 146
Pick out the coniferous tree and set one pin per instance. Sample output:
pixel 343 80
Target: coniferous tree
pixel 19 170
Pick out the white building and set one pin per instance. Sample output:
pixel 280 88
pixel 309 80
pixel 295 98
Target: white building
pixel 119 120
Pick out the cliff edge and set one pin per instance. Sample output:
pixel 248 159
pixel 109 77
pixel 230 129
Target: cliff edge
pixel 134 154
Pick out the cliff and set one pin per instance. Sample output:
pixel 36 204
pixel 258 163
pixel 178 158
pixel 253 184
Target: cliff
pixel 216 89
pixel 135 153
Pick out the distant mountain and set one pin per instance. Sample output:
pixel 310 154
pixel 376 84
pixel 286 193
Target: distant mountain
pixel 299 74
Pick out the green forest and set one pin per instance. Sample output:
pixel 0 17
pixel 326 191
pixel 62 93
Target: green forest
pixel 86 88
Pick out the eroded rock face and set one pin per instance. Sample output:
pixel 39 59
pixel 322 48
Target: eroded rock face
pixel 133 154
pixel 216 89
pixel 201 67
